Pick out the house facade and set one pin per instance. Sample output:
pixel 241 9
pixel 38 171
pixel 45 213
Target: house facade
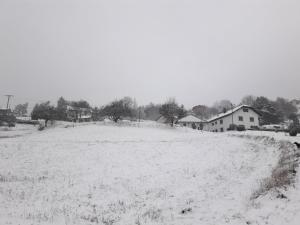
pixel 191 121
pixel 79 114
pixel 242 116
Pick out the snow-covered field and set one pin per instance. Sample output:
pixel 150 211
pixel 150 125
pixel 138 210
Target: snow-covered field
pixel 20 130
pixel 143 174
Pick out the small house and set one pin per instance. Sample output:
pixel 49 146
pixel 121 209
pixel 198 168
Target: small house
pixel 77 114
pixel 191 121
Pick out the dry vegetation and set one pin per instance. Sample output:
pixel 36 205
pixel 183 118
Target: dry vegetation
pixel 284 173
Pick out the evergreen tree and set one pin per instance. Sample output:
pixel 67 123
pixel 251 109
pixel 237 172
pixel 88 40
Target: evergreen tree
pixel 61 109
pixel 44 111
pixel 269 113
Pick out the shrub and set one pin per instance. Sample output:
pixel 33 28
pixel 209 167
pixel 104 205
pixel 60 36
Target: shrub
pixel 240 128
pixel 293 131
pixel 255 128
pixel 194 126
pixel 232 127
pixel 41 127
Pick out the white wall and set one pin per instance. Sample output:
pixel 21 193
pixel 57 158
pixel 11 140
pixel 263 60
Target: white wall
pixel 235 116
pixel 189 124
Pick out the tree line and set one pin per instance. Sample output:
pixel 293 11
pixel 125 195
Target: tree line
pixel 272 111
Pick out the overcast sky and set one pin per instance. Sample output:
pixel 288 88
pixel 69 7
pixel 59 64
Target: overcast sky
pixel 196 51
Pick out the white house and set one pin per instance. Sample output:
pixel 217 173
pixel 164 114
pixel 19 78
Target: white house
pixel 243 115
pixel 191 121
pixel 79 114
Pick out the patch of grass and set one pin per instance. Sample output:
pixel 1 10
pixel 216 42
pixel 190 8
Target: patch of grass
pixel 284 173
pixel 153 214
pixel 12 178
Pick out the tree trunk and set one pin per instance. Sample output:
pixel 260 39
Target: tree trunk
pixel 172 122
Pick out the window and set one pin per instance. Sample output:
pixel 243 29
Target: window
pixel 251 119
pixel 221 121
pixel 212 124
pixel 222 130
pixel 216 122
pixel 241 118
pixel 245 110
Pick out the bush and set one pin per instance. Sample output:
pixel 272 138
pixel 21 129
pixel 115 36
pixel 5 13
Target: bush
pixel 255 128
pixel 240 128
pixel 40 128
pixel 194 126
pixel 11 124
pixel 232 127
pixel 293 131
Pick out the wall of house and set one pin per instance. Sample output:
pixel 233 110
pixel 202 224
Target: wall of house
pixel 190 124
pixel 217 126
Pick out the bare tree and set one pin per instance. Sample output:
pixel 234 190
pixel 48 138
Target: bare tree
pixel 21 109
pixel 118 109
pixel 204 112
pixel 171 111
pixel 248 100
pixel 223 105
pixel 152 111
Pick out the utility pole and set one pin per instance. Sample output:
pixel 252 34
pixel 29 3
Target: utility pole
pixel 232 112
pixel 139 114
pixel 8 98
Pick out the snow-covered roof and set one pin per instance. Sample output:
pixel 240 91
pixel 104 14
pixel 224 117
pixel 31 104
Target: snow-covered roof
pixel 85 117
pixel 69 107
pixel 229 112
pixel 191 119
pixel 162 119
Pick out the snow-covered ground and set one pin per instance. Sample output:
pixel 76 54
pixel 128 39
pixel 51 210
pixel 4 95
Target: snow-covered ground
pixel 137 174
pixel 275 135
pixel 19 130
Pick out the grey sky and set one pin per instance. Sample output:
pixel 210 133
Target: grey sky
pixel 197 51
